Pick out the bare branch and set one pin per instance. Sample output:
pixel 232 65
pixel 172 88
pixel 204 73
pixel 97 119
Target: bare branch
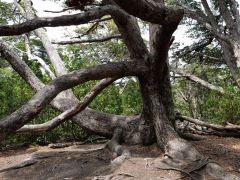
pixel 130 31
pixel 23 115
pixel 20 66
pixel 215 59
pixel 19 7
pixel 70 112
pixel 209 125
pixel 51 50
pixel 88 119
pixel 40 60
pixel 60 11
pixel 101 20
pixel 64 20
pixel 195 47
pixel 223 7
pixel 197 80
pixel 209 14
pixel 91 29
pixel 118 36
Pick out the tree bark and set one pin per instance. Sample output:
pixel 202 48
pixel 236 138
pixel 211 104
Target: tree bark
pixel 23 115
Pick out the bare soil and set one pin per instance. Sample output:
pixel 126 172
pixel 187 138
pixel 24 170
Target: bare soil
pixel 91 161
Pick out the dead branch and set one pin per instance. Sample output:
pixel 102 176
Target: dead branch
pixel 39 60
pixel 91 29
pixel 202 128
pixel 88 40
pixel 69 113
pixel 64 20
pixel 60 11
pixel 101 20
pixel 20 66
pixel 209 125
pixel 51 50
pixel 195 47
pixel 197 80
pixel 21 165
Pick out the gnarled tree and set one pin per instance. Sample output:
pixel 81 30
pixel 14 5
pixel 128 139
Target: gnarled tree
pixel 150 66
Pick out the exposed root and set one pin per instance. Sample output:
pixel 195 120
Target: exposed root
pixel 108 177
pixel 183 157
pixel 191 137
pixel 215 170
pixel 120 153
pixel 63 145
pixel 23 164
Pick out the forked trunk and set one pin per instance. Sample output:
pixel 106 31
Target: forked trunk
pixel 158 112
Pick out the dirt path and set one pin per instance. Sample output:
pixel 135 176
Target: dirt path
pixel 92 162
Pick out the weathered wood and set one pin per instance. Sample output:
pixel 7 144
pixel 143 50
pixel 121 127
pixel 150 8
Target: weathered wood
pixel 70 112
pixel 23 115
pixel 81 41
pixel 209 125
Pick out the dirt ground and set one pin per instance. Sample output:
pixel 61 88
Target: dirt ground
pixel 91 161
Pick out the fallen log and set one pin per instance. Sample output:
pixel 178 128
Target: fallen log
pixel 228 130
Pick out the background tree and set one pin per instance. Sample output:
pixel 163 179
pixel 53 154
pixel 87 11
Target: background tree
pixel 219 25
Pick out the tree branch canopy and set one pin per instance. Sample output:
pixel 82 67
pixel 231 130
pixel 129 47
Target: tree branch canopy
pixel 148 11
pixel 23 115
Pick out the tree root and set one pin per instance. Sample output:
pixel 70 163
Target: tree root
pixel 23 164
pixel 111 176
pixel 119 152
pixel 63 145
pixel 183 157
pixel 191 137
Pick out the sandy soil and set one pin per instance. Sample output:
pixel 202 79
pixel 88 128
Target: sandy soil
pixel 92 162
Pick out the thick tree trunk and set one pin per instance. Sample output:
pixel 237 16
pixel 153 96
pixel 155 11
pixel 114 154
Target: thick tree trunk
pixel 156 89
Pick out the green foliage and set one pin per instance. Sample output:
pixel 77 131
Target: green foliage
pixel 5 12
pixel 194 100
pixel 14 93
pixel 131 98
pixel 225 107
